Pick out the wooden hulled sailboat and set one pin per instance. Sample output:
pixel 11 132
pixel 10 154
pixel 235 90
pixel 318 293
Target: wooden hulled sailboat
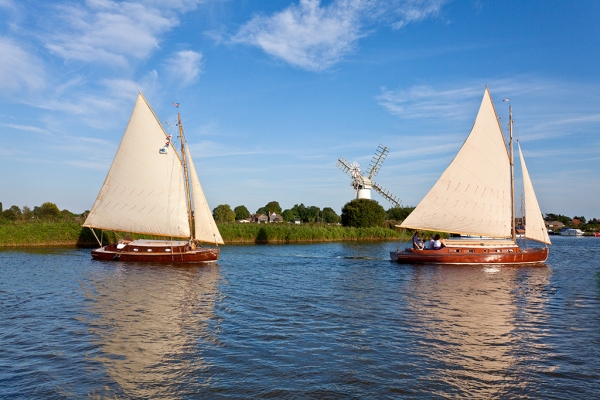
pixel 475 197
pixel 153 189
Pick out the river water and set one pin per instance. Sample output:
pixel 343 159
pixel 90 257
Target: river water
pixel 334 320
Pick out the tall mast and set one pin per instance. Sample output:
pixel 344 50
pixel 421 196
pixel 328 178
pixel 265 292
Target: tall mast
pixel 512 175
pixel 187 177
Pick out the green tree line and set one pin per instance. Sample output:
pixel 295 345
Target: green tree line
pixel 585 225
pixel 356 213
pixel 46 212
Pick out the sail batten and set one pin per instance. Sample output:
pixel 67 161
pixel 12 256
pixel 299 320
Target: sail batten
pixel 473 194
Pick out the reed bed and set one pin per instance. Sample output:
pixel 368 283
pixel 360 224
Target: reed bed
pixel 291 233
pixel 71 233
pixel 43 233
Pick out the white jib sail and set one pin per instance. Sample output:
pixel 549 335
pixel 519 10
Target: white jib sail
pixel 144 191
pixel 473 194
pixel 535 228
pixel 205 227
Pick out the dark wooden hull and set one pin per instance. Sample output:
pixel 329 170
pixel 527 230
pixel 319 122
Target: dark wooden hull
pixel 156 252
pixel 472 255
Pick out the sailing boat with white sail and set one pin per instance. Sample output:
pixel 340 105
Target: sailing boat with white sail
pixel 153 189
pixel 475 197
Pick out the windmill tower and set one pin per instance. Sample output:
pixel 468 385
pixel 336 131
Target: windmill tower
pixel 363 184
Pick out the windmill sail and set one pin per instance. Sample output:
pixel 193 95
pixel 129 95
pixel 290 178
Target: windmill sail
pixel 144 191
pixel 473 195
pixel 535 228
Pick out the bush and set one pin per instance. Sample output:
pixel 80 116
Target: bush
pixel 47 211
pixel 399 213
pixel 241 212
pixel 362 213
pixel 223 213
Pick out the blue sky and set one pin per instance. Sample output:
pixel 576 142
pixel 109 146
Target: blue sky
pixel 272 93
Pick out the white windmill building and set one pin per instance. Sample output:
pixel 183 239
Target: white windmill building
pixel 363 184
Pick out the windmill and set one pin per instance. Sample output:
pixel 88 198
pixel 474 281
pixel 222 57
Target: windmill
pixel 363 184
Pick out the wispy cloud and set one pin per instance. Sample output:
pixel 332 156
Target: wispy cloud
pixel 424 101
pixel 109 32
pixel 208 148
pixel 544 108
pixel 27 128
pixel 315 37
pixel 8 4
pixel 306 35
pixel 185 66
pixel 413 10
pixel 19 70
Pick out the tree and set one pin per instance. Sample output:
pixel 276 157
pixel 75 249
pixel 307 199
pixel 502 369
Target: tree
pixel 582 219
pixel 301 211
pixel 241 212
pixel 329 216
pixel 558 217
pixel 261 210
pixel 289 215
pixel 312 213
pixel 223 213
pixel 46 211
pixel 362 213
pixel 27 213
pixel 9 215
pixel 399 213
pixel 272 207
pixel 17 211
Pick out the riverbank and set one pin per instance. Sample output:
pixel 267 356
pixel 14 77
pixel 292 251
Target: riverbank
pixel 71 233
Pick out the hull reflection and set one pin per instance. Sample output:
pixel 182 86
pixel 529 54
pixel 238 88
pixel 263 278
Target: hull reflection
pixel 468 325
pixel 150 320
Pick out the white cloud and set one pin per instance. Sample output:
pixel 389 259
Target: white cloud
pixel 315 37
pixel 185 66
pixel 110 32
pixel 307 35
pixel 19 70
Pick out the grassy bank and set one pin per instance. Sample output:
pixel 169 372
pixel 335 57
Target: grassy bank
pixel 45 233
pixel 290 233
pixel 71 233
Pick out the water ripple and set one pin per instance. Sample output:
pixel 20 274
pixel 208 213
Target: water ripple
pixel 334 320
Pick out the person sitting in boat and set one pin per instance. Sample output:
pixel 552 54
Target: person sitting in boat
pixel 437 243
pixel 417 241
pixel 429 244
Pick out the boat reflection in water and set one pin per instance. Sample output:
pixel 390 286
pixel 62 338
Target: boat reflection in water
pixel 150 322
pixel 478 327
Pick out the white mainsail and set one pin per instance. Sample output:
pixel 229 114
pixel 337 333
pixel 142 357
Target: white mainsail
pixel 144 191
pixel 473 195
pixel 205 227
pixel 535 228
